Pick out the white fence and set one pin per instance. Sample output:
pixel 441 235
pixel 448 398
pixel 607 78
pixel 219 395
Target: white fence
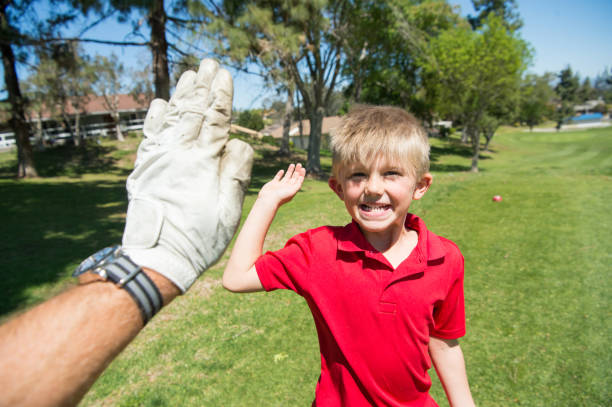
pixel 59 135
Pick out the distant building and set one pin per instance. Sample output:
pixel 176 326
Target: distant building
pixel 95 119
pixel 588 106
pixel 330 124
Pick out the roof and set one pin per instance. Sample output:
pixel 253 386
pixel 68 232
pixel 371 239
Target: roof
pixel 96 105
pixel 330 124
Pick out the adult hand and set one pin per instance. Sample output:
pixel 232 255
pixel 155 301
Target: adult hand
pixel 188 182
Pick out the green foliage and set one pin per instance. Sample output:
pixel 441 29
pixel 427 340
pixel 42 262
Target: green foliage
pixel 389 42
pixel 64 75
pixel 567 91
pixel 536 100
pixel 603 85
pixel 474 74
pixel 296 43
pixel 269 140
pixel 586 91
pixel 506 10
pixel 568 85
pixel 251 119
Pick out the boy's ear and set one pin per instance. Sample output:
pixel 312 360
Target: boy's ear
pixel 336 187
pixel 422 186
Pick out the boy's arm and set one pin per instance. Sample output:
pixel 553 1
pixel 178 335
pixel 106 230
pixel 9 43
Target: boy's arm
pixel 240 274
pixel 448 360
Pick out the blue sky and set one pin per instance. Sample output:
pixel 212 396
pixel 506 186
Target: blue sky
pixel 561 32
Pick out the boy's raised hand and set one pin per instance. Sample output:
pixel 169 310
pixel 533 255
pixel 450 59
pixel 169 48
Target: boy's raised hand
pixel 283 187
pixel 240 274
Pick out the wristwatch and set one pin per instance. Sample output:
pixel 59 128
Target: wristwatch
pixel 113 264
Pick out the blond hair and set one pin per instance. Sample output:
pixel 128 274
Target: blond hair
pixel 370 132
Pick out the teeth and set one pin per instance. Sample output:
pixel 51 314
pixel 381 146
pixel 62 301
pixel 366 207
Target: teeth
pixel 369 208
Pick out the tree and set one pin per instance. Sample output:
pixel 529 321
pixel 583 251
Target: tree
pixel 470 72
pixel 109 85
pixel 504 9
pixel 174 19
pixel 11 15
pixel 567 92
pixel 603 85
pixel 536 100
pixel 62 83
pixel 251 119
pixel 298 42
pixel 395 37
pixel 585 91
pixel 142 86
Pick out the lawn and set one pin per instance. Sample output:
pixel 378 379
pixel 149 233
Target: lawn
pixel 537 270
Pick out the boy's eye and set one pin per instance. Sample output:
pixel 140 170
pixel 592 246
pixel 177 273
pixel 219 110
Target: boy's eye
pixel 357 175
pixel 392 173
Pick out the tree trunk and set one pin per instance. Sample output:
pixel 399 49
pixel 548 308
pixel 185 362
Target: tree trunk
pixel 489 133
pixel 78 137
pixel 159 48
pixel 40 139
pixel 313 164
pixel 68 126
pixel 300 124
pixel 284 148
pixel 118 127
pixel 25 159
pixel 475 138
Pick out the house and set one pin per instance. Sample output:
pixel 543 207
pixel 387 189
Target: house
pixel 330 124
pixel 95 119
pixel 588 106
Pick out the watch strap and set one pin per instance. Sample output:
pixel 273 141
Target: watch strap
pixel 128 275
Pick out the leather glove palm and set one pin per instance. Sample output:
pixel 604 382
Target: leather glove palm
pixel 188 183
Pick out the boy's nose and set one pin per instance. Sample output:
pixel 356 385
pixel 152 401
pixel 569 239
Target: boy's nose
pixel 374 185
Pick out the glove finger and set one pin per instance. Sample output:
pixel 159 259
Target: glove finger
pixel 197 100
pixel 151 128
pixel 215 129
pixel 172 129
pixel 186 109
pixel 154 118
pixel 184 87
pixel 235 175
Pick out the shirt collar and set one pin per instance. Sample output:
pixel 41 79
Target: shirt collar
pixel 351 239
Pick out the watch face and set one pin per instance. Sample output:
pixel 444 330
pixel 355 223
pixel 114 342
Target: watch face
pixel 94 260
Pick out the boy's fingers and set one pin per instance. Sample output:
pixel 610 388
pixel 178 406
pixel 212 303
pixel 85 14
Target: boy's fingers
pixel 290 171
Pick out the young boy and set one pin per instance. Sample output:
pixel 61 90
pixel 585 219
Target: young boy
pixel 386 294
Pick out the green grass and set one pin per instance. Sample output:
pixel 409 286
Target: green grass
pixel 537 277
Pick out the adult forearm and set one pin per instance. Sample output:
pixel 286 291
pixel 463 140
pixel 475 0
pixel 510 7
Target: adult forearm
pixel 53 354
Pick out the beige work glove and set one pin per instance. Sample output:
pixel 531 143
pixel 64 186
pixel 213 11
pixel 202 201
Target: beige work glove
pixel 188 183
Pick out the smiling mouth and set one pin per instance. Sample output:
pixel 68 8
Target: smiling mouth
pixel 374 208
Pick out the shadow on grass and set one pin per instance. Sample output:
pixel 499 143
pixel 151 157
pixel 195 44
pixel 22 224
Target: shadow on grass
pixel 454 147
pixel 50 228
pixel 71 161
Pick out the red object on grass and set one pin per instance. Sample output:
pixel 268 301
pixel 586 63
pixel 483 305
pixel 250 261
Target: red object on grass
pixel 497 198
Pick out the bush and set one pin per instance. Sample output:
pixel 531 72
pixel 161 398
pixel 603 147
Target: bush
pixel 251 119
pixel 269 140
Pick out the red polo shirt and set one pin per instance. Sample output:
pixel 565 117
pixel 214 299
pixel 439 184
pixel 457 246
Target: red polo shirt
pixel 373 321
